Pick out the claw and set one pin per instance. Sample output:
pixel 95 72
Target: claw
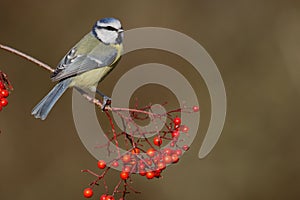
pixel 106 102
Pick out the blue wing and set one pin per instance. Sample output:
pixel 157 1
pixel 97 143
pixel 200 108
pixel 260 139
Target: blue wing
pixel 75 62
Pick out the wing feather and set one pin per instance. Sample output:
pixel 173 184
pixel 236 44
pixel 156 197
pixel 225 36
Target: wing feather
pixel 76 61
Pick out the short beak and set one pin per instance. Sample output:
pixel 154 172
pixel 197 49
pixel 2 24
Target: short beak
pixel 120 30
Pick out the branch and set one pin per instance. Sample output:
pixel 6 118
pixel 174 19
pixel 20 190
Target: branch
pixel 99 177
pixel 50 69
pixel 27 57
pixel 114 109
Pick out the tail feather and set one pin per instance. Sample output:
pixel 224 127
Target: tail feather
pixel 42 109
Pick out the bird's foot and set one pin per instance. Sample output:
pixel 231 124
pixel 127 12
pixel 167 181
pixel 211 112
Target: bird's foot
pixel 106 100
pixel 106 103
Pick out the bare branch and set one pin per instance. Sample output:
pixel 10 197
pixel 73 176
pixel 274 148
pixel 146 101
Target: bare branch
pixel 27 57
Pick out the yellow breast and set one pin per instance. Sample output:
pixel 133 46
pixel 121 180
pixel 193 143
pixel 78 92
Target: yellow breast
pixel 90 79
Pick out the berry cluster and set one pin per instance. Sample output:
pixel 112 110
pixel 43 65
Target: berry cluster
pixel 4 93
pixel 149 159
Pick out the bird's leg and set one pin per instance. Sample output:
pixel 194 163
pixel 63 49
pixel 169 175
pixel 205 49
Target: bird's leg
pixel 106 100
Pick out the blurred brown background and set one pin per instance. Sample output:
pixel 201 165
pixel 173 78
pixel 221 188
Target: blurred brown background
pixel 255 44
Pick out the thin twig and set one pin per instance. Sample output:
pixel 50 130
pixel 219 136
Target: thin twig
pixel 27 57
pixel 99 177
pixel 117 187
pixel 114 132
pixel 134 110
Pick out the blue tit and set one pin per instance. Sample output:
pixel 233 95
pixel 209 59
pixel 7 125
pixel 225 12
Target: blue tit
pixel 86 64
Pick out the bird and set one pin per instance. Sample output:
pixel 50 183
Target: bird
pixel 86 64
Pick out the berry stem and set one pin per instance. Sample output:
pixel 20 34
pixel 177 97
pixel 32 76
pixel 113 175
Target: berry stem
pixel 117 187
pixel 99 177
pixel 114 131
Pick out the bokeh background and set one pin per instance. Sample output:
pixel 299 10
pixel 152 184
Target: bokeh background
pixel 255 44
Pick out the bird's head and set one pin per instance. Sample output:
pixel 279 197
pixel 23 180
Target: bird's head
pixel 108 31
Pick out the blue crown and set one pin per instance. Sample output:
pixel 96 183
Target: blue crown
pixel 108 20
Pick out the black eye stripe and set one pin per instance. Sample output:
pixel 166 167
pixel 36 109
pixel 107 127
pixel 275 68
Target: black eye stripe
pixel 110 28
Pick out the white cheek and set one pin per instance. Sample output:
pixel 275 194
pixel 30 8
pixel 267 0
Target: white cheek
pixel 107 36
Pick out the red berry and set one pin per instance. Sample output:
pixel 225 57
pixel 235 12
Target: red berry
pixel 124 175
pixel 3 102
pixel 4 93
pixel 172 144
pixel 157 173
pixel 157 141
pixel 167 159
pixel 2 85
pixel 150 175
pixel 156 159
pixel 109 197
pixel 175 134
pixel 167 151
pixel 126 158
pixel 101 164
pixel 184 129
pixel 103 197
pixel 87 192
pixel 175 158
pixel 142 173
pixel 185 147
pixel 177 121
pixel 195 108
pixel 148 161
pixel 135 151
pixel 142 166
pixel 161 165
pixel 0 107
pixel 133 162
pixel 115 164
pixel 178 152
pixel 151 152
pixel 126 168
